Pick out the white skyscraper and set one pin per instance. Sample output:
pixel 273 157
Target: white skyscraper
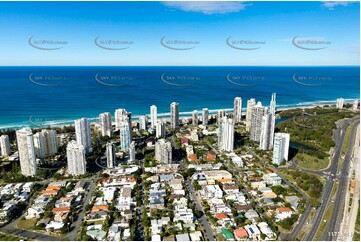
pixel 250 104
pixel 272 108
pixel 110 154
pixel 5 145
pixel 174 115
pixel 45 143
pixel 220 115
pixel 120 115
pixel 267 132
pixel 143 122
pixel 160 130
pixel 39 145
pixel 237 109
pixel 355 105
pixel 339 103
pixel 75 154
pixel 153 115
pixel 125 134
pixel 205 116
pixel 195 117
pixel 163 151
pixel 280 148
pixel 50 142
pixel 258 111
pixel 83 134
pixel 226 134
pixel 132 152
pixel 26 150
pixel 105 122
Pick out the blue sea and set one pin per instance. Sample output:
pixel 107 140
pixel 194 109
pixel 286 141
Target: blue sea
pixel 41 96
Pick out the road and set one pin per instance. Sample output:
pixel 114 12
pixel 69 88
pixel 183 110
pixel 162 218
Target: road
pixel 12 229
pixel 336 217
pixel 294 166
pixel 204 221
pixel 139 236
pixel 303 218
pixel 347 228
pixel 339 137
pixel 77 223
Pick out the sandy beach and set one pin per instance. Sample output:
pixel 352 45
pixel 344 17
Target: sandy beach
pixel 183 115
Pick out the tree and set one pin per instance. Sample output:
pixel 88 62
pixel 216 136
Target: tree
pixel 196 186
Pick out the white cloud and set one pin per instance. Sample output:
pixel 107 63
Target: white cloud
pixel 208 7
pixel 330 5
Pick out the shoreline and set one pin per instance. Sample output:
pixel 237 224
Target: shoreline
pixel 165 116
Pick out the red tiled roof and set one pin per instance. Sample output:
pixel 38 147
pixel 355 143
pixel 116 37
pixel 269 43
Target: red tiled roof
pixel 192 157
pixel 241 232
pixel 220 216
pixel 100 208
pixel 62 209
pixel 50 191
pixel 284 210
pixel 58 187
pixel 211 157
pixel 185 140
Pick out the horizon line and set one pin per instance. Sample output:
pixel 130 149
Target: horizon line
pixel 181 66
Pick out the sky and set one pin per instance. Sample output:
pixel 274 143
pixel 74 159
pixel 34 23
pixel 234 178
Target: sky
pixel 179 33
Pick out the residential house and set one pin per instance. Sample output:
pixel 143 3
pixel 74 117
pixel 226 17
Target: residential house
pixel 283 212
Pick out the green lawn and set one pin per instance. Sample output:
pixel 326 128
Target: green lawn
pixel 9 237
pixel 347 138
pixel 310 162
pixel 334 190
pixel 27 224
pixel 220 237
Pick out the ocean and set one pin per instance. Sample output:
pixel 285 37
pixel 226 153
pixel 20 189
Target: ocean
pixel 42 96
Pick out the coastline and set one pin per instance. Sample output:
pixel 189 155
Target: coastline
pixel 165 116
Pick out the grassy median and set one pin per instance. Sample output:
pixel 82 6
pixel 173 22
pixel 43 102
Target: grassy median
pixel 323 224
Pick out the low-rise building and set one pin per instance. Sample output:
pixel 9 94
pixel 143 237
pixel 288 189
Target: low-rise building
pixel 283 212
pixel 240 233
pixel 272 179
pixel 263 226
pixel 293 200
pixel 212 191
pixel 253 231
pixel 221 176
